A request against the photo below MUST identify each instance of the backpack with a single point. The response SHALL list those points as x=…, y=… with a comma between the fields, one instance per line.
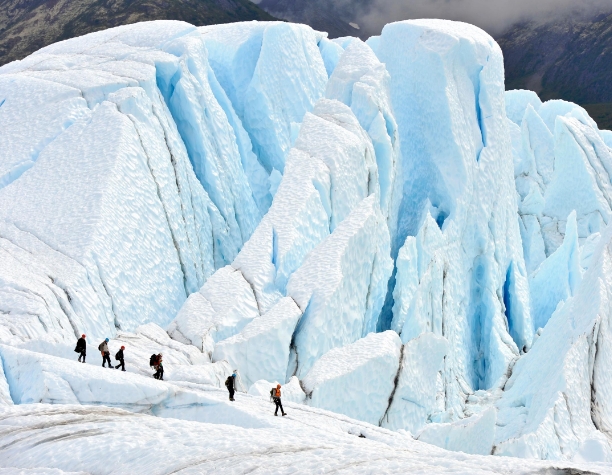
x=117, y=356
x=100, y=346
x=153, y=360
x=229, y=382
x=273, y=393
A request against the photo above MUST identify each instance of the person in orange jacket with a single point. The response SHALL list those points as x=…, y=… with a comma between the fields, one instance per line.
x=276, y=397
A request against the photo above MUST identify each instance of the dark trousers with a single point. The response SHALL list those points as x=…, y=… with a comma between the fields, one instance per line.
x=231, y=391
x=159, y=374
x=82, y=355
x=122, y=364
x=105, y=358
x=278, y=403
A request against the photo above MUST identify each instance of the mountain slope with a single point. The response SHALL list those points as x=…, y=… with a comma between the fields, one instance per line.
x=570, y=60
x=28, y=25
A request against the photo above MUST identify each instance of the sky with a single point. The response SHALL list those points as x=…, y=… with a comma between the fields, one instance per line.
x=492, y=15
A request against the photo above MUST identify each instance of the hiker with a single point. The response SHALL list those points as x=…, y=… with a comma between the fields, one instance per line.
x=153, y=363
x=276, y=397
x=81, y=348
x=105, y=353
x=119, y=357
x=230, y=384
x=159, y=367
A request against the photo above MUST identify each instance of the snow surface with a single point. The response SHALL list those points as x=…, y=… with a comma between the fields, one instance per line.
x=69, y=438
x=378, y=227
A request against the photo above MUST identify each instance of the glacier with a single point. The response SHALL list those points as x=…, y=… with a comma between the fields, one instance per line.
x=419, y=257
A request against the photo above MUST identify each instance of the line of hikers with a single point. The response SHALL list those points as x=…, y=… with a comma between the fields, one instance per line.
x=155, y=361
x=275, y=393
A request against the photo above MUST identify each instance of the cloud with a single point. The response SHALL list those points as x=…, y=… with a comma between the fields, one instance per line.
x=493, y=16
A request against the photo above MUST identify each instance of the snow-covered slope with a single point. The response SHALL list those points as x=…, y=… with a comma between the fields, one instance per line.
x=72, y=438
x=378, y=225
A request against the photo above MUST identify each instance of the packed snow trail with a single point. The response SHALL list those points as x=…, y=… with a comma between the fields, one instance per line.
x=75, y=438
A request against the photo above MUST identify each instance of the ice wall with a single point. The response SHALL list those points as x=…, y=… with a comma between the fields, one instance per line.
x=562, y=164
x=210, y=314
x=127, y=179
x=356, y=380
x=261, y=349
x=361, y=81
x=273, y=74
x=447, y=91
x=562, y=412
x=341, y=286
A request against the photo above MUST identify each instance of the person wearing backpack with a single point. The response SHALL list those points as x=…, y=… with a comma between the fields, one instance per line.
x=276, y=397
x=81, y=348
x=119, y=357
x=230, y=384
x=103, y=347
x=159, y=366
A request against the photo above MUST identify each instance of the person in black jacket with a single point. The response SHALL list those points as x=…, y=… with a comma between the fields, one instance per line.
x=81, y=348
x=230, y=384
x=119, y=357
x=159, y=367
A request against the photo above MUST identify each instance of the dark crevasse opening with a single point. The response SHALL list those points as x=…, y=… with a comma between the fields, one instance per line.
x=386, y=313
x=513, y=311
x=508, y=301
x=475, y=77
x=479, y=319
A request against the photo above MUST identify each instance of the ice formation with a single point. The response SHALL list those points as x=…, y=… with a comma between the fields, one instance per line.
x=356, y=379
x=261, y=349
x=409, y=250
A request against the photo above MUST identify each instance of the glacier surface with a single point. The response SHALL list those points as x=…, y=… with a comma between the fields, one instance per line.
x=416, y=255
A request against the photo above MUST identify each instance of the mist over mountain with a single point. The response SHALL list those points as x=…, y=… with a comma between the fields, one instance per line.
x=323, y=15
x=494, y=16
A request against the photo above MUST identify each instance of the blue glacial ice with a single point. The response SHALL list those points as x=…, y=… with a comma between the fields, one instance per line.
x=378, y=226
